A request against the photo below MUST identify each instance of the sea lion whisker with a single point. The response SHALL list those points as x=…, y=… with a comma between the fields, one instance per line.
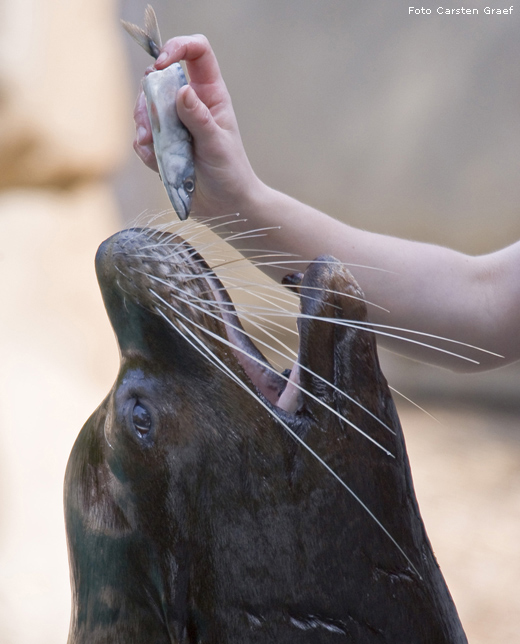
x=303, y=262
x=315, y=299
x=263, y=328
x=209, y=223
x=276, y=307
x=146, y=217
x=416, y=405
x=182, y=227
x=125, y=243
x=250, y=258
x=368, y=326
x=159, y=215
x=294, y=435
x=180, y=248
x=352, y=325
x=250, y=234
x=274, y=253
x=270, y=368
x=160, y=241
x=286, y=297
x=248, y=309
x=347, y=295
x=218, y=304
x=190, y=240
x=174, y=227
x=310, y=371
x=242, y=236
x=138, y=219
x=430, y=335
x=107, y=420
x=265, y=344
x=173, y=255
x=289, y=296
x=187, y=277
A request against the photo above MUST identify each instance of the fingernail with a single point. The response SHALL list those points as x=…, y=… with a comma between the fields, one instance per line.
x=190, y=98
x=141, y=134
x=162, y=58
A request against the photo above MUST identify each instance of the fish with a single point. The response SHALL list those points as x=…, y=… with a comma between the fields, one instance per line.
x=172, y=141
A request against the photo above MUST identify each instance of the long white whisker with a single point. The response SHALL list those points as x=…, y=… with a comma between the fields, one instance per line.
x=269, y=368
x=355, y=324
x=293, y=434
x=307, y=297
x=250, y=234
x=303, y=262
x=412, y=402
x=276, y=351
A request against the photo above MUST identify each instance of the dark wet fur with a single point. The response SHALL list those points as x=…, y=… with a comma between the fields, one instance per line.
x=216, y=525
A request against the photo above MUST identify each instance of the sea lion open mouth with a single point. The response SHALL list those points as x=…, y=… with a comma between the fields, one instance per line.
x=208, y=501
x=173, y=281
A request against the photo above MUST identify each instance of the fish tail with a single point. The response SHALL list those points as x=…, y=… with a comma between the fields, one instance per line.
x=151, y=26
x=148, y=38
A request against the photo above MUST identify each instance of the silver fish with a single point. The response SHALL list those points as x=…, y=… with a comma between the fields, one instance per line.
x=171, y=140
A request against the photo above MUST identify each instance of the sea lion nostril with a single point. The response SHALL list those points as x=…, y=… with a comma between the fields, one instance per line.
x=293, y=281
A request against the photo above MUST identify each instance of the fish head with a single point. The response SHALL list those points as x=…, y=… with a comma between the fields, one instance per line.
x=178, y=176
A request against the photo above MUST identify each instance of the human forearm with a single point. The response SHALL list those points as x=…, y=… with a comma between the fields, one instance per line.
x=424, y=287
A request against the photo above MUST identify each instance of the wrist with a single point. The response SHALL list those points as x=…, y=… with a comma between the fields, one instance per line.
x=252, y=196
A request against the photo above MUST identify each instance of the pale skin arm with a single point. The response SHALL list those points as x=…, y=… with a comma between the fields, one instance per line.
x=427, y=288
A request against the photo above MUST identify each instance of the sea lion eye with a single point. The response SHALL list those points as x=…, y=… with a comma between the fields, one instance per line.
x=141, y=419
x=189, y=185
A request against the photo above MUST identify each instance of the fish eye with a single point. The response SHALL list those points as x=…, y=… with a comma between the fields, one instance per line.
x=141, y=419
x=189, y=185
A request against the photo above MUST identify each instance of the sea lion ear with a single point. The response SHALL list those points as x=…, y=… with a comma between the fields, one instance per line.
x=331, y=349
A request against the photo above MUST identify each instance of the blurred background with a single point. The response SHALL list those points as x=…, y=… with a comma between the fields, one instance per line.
x=402, y=124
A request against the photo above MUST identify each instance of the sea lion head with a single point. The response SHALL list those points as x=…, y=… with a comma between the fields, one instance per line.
x=205, y=502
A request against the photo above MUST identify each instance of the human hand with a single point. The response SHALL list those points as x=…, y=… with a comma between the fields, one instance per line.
x=224, y=177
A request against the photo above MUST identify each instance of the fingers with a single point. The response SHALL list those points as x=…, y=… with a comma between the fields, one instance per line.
x=147, y=155
x=196, y=51
x=143, y=143
x=204, y=106
x=142, y=122
x=195, y=115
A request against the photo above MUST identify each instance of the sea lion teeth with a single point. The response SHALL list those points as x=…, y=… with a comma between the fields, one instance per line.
x=197, y=510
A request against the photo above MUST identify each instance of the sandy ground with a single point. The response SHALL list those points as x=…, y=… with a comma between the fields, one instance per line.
x=466, y=469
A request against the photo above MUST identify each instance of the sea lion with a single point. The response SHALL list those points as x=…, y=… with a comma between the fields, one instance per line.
x=207, y=504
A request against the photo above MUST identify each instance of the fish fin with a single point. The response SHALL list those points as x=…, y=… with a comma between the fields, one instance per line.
x=151, y=26
x=148, y=38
